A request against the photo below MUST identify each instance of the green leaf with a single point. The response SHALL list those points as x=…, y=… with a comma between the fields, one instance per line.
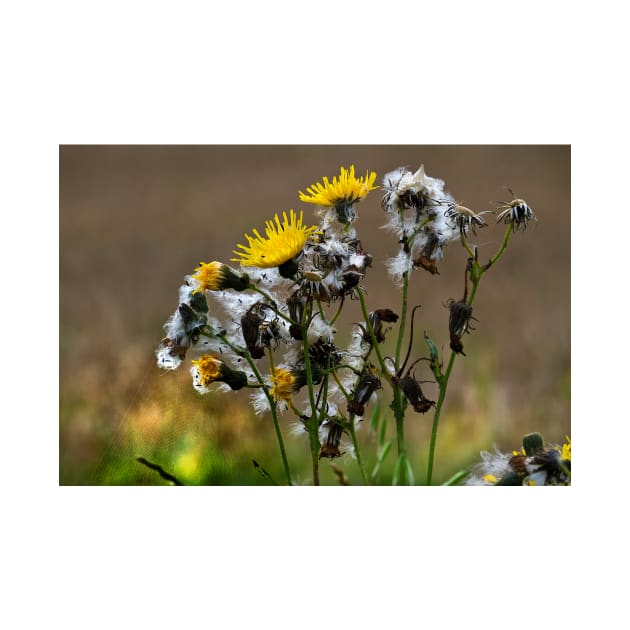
x=403, y=474
x=375, y=417
x=381, y=454
x=383, y=431
x=456, y=478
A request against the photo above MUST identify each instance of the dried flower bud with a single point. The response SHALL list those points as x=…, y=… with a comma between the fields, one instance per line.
x=260, y=328
x=517, y=212
x=321, y=352
x=350, y=280
x=464, y=218
x=413, y=392
x=367, y=385
x=377, y=318
x=459, y=323
x=330, y=445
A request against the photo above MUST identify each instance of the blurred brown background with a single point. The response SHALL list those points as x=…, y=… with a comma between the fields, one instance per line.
x=135, y=219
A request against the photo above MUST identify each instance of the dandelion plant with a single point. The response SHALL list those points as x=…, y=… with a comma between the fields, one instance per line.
x=270, y=326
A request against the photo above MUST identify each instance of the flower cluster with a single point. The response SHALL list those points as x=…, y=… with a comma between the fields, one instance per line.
x=233, y=321
x=536, y=464
x=417, y=208
x=269, y=326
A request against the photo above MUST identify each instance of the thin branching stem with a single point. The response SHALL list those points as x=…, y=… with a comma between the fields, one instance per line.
x=370, y=330
x=357, y=451
x=477, y=273
x=313, y=423
x=272, y=403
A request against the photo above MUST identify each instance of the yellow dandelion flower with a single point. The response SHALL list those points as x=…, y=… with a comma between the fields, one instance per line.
x=489, y=478
x=208, y=369
x=345, y=190
x=284, y=383
x=283, y=243
x=216, y=276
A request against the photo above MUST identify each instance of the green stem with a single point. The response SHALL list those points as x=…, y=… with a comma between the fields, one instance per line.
x=353, y=433
x=370, y=330
x=334, y=319
x=403, y=318
x=477, y=273
x=357, y=451
x=436, y=417
x=399, y=411
x=272, y=404
x=313, y=425
x=398, y=397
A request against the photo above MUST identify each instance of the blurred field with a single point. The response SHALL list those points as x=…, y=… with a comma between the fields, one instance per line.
x=135, y=220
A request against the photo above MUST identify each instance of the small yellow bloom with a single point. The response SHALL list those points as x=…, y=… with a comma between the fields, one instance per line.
x=347, y=189
x=209, y=369
x=490, y=478
x=284, y=242
x=283, y=384
x=209, y=276
x=566, y=449
x=216, y=276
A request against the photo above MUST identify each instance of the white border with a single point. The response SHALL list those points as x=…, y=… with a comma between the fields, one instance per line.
x=331, y=73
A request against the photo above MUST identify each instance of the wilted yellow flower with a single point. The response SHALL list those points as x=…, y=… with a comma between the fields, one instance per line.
x=284, y=383
x=208, y=369
x=347, y=189
x=284, y=242
x=216, y=276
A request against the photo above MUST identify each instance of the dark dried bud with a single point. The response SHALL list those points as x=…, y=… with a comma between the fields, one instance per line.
x=350, y=279
x=260, y=328
x=367, y=385
x=457, y=345
x=386, y=315
x=459, y=323
x=250, y=325
x=411, y=199
x=377, y=318
x=413, y=392
x=330, y=446
x=426, y=263
x=322, y=352
x=430, y=253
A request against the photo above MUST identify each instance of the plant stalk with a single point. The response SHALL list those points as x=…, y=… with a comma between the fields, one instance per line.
x=477, y=273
